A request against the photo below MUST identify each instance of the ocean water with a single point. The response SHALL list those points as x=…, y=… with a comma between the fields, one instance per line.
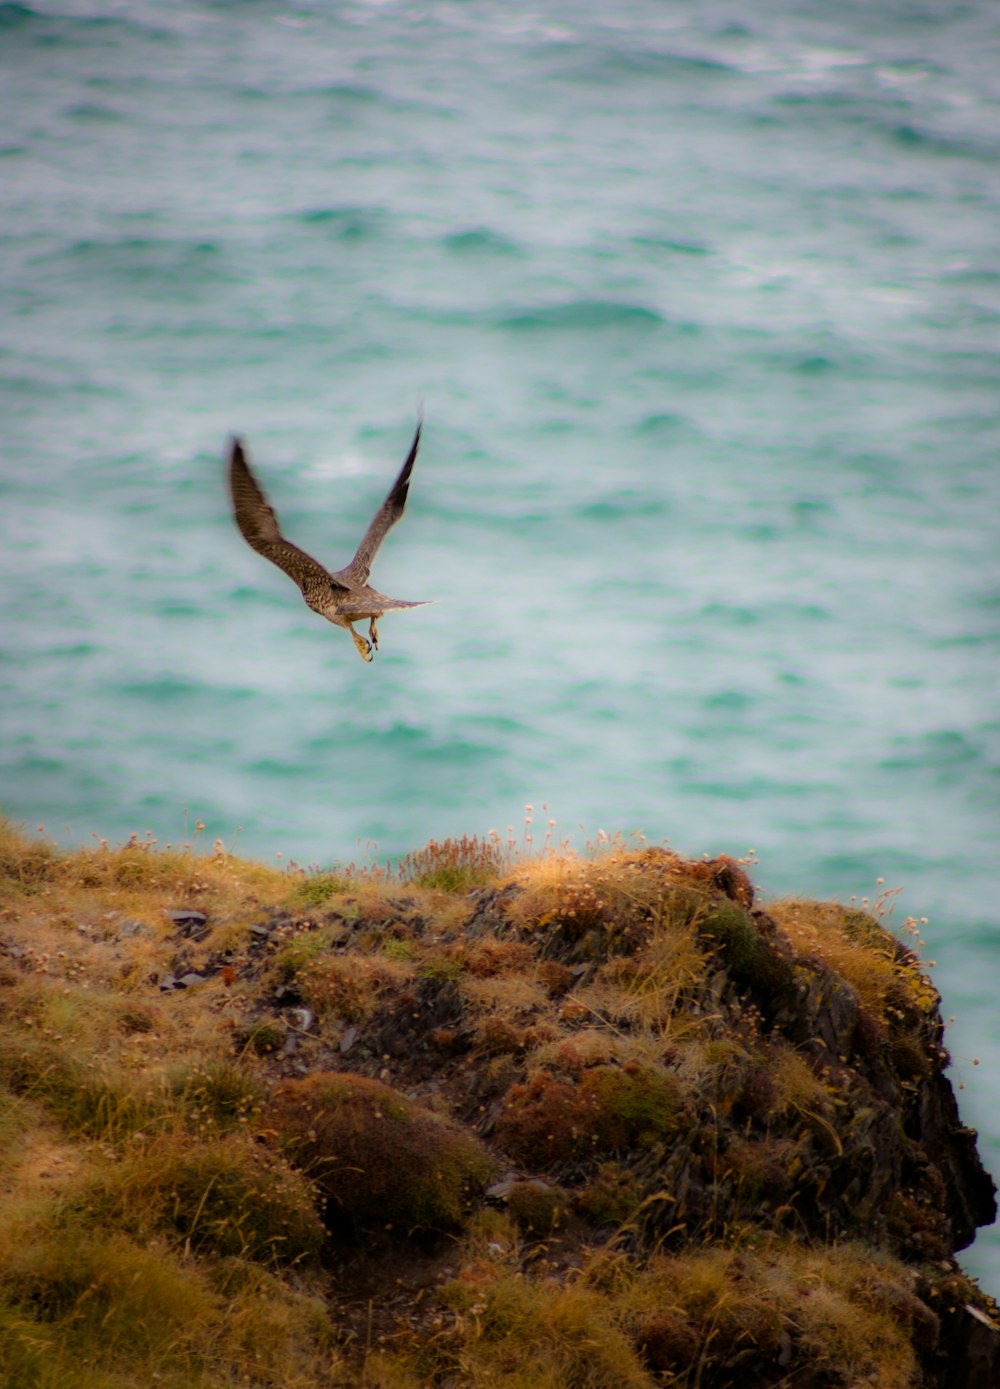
x=702, y=307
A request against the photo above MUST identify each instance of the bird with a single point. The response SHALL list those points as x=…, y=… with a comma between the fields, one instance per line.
x=343, y=597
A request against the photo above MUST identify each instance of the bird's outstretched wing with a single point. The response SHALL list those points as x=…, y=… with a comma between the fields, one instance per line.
x=355, y=574
x=259, y=525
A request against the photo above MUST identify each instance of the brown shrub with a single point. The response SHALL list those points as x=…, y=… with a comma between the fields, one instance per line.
x=538, y=1209
x=377, y=1156
x=611, y=1198
x=668, y=1342
x=605, y=1109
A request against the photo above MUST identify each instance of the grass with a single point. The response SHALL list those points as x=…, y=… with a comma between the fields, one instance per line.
x=281, y=1175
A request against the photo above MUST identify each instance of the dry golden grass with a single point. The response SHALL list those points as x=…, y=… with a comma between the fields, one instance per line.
x=855, y=946
x=510, y=994
x=122, y=1143
x=841, y=1315
x=646, y=989
x=842, y=1311
x=350, y=989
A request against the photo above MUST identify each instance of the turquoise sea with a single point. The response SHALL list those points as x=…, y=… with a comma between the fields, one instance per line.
x=702, y=307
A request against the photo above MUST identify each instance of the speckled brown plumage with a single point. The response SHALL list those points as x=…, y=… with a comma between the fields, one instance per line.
x=342, y=597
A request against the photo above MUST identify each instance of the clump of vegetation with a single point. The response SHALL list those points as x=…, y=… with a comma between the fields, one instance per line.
x=509, y=1330
x=24, y=864
x=537, y=1208
x=316, y=889
x=378, y=1157
x=305, y=947
x=89, y=1098
x=612, y=1196
x=350, y=988
x=454, y=865
x=829, y=1315
x=551, y=1119
x=92, y=1308
x=226, y=1195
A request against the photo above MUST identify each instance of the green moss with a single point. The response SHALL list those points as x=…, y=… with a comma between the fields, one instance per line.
x=395, y=949
x=752, y=961
x=317, y=889
x=732, y=930
x=449, y=967
x=263, y=1038
x=303, y=949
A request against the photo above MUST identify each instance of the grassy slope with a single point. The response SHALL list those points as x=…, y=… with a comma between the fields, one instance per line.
x=559, y=1122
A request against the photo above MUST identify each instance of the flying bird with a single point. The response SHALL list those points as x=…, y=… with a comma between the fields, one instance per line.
x=346, y=596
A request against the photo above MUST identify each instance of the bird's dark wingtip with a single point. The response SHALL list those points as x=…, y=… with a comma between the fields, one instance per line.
x=404, y=475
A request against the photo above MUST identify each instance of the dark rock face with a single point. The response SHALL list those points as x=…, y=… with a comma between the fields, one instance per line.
x=426, y=1022
x=950, y=1148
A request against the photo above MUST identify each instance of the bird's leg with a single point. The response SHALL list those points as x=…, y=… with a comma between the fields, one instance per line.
x=362, y=643
x=373, y=632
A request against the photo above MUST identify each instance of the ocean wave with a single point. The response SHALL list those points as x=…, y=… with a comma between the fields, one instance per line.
x=945, y=750
x=346, y=93
x=666, y=243
x=756, y=788
x=348, y=223
x=170, y=262
x=624, y=506
x=56, y=29
x=607, y=65
x=580, y=314
x=480, y=241
x=13, y=16
x=894, y=119
x=909, y=135
x=662, y=422
x=164, y=689
x=96, y=111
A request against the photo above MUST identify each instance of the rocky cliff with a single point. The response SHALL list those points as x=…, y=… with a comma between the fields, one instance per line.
x=562, y=1122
